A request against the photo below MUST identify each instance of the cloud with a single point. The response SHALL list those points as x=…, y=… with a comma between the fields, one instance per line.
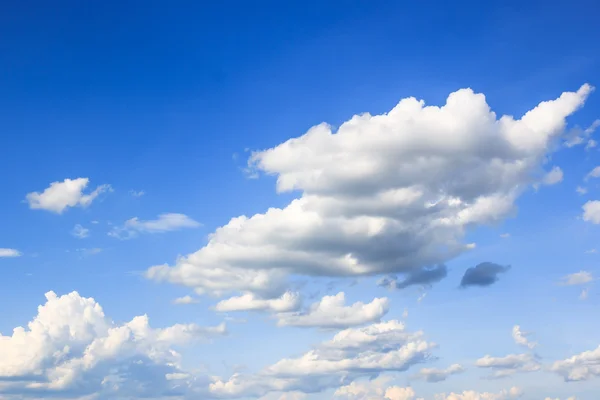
x=90, y=251
x=185, y=300
x=509, y=365
x=351, y=354
x=512, y=393
x=554, y=176
x=484, y=274
x=591, y=212
x=289, y=301
x=384, y=194
x=71, y=347
x=505, y=235
x=9, y=253
x=584, y=294
x=80, y=232
x=520, y=337
x=581, y=190
x=61, y=195
x=164, y=223
x=580, y=367
x=375, y=389
x=137, y=193
x=424, y=277
x=577, y=136
x=332, y=312
x=577, y=278
x=438, y=375
x=595, y=173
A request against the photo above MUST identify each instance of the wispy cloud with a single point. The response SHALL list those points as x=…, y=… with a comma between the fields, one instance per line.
x=164, y=223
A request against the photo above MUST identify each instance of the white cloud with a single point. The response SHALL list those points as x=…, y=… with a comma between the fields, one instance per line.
x=512, y=393
x=578, y=278
x=164, y=223
x=185, y=300
x=80, y=232
x=352, y=354
x=595, y=173
x=591, y=212
x=90, y=251
x=554, y=176
x=332, y=312
x=284, y=396
x=62, y=195
x=137, y=193
x=391, y=193
x=289, y=301
x=438, y=375
x=375, y=389
x=577, y=136
x=9, y=253
x=570, y=398
x=581, y=190
x=584, y=294
x=509, y=365
x=505, y=235
x=580, y=367
x=71, y=347
x=520, y=337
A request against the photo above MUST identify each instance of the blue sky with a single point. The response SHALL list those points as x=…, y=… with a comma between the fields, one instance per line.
x=158, y=109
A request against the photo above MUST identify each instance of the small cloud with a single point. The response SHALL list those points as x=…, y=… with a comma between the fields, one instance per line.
x=581, y=190
x=80, y=232
x=90, y=251
x=421, y=297
x=424, y=277
x=505, y=235
x=578, y=136
x=484, y=274
x=578, y=278
x=9, y=253
x=591, y=144
x=520, y=337
x=405, y=313
x=591, y=251
x=62, y=195
x=137, y=193
x=554, y=176
x=94, y=222
x=185, y=300
x=164, y=223
x=591, y=212
x=584, y=294
x=595, y=173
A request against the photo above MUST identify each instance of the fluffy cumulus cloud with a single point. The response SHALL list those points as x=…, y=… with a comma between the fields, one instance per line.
x=62, y=195
x=185, y=300
x=289, y=301
x=521, y=338
x=384, y=194
x=351, y=354
x=164, y=223
x=580, y=367
x=591, y=211
x=554, y=176
x=438, y=375
x=509, y=365
x=72, y=349
x=375, y=389
x=9, y=253
x=332, y=312
x=484, y=274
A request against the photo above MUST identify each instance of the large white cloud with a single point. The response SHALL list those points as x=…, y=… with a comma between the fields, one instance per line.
x=390, y=193
x=72, y=349
x=580, y=367
x=332, y=312
x=62, y=195
x=352, y=353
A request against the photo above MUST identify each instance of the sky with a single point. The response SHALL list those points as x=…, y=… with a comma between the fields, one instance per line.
x=299, y=200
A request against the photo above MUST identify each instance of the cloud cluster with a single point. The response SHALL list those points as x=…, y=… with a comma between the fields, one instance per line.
x=164, y=223
x=72, y=349
x=332, y=312
x=509, y=365
x=62, y=195
x=375, y=389
x=580, y=367
x=351, y=354
x=512, y=393
x=390, y=193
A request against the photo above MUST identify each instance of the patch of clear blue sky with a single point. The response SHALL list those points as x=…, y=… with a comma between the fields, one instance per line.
x=159, y=95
